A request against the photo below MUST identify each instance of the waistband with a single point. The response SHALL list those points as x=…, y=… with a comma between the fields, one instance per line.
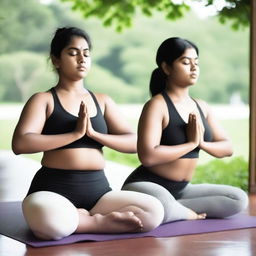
x=47, y=169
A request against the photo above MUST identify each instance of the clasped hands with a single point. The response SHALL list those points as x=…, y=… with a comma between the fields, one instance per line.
x=195, y=130
x=84, y=126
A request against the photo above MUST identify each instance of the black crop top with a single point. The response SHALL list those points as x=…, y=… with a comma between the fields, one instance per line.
x=60, y=121
x=175, y=131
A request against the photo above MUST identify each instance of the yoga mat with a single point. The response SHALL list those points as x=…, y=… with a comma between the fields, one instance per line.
x=13, y=225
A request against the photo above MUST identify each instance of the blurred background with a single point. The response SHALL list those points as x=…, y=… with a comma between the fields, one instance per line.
x=123, y=59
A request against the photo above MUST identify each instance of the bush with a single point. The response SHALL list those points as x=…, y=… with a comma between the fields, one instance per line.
x=233, y=172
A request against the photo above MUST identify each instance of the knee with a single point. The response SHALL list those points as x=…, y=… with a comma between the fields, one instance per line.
x=236, y=201
x=49, y=215
x=241, y=199
x=153, y=216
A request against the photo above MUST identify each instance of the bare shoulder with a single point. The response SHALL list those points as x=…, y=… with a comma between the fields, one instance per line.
x=41, y=96
x=156, y=103
x=204, y=106
x=102, y=98
x=40, y=100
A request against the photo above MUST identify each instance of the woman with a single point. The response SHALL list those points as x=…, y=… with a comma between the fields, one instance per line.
x=172, y=129
x=70, y=124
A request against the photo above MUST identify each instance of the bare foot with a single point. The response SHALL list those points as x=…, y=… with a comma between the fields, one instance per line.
x=196, y=216
x=114, y=222
x=118, y=222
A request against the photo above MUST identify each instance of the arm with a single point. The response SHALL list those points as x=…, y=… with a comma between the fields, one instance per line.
x=120, y=137
x=149, y=135
x=221, y=145
x=27, y=137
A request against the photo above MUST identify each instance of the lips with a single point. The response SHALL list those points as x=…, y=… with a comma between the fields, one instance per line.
x=82, y=68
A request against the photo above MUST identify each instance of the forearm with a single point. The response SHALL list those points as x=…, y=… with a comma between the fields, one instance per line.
x=34, y=143
x=125, y=143
x=218, y=149
x=164, y=154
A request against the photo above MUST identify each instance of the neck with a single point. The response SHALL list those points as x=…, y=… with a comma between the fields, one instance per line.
x=76, y=86
x=178, y=94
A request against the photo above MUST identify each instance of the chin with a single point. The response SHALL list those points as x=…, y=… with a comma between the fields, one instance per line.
x=192, y=82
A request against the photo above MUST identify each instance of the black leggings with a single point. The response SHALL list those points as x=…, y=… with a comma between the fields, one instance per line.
x=82, y=188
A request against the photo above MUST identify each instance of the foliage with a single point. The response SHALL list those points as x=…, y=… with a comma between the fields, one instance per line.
x=101, y=80
x=233, y=172
x=23, y=73
x=23, y=25
x=121, y=13
x=236, y=10
x=122, y=62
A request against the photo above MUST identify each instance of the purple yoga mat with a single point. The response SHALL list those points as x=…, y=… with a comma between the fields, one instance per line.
x=13, y=225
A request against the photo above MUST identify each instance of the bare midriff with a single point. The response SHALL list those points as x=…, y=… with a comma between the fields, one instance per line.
x=74, y=159
x=179, y=170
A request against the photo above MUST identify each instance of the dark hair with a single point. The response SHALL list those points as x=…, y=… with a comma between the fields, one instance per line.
x=62, y=38
x=169, y=50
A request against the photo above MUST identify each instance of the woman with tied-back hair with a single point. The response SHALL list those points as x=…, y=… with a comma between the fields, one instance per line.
x=173, y=128
x=70, y=125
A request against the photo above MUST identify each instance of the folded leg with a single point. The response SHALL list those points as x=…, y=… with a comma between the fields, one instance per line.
x=144, y=207
x=173, y=210
x=217, y=201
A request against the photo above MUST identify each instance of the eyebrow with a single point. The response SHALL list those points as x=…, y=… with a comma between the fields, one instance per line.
x=74, y=48
x=186, y=57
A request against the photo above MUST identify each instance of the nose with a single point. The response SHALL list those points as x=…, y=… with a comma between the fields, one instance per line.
x=81, y=58
x=193, y=65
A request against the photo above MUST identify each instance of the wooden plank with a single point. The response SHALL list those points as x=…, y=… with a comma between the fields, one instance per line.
x=252, y=154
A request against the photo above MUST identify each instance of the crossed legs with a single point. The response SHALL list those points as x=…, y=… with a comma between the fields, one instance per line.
x=195, y=201
x=52, y=216
x=218, y=201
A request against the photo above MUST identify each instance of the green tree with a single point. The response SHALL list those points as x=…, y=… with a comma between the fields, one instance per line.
x=121, y=13
x=24, y=25
x=123, y=60
x=22, y=74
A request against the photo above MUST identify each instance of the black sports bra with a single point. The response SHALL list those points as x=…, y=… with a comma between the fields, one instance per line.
x=60, y=121
x=175, y=131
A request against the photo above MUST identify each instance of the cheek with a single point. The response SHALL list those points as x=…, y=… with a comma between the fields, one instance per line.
x=89, y=63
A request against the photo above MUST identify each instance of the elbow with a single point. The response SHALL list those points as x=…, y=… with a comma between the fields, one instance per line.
x=230, y=153
x=227, y=153
x=17, y=147
x=146, y=161
x=16, y=150
x=147, y=156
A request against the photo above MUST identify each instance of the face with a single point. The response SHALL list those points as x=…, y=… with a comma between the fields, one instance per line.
x=184, y=70
x=75, y=61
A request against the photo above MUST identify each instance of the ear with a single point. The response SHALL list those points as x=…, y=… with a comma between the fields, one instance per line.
x=55, y=61
x=166, y=68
